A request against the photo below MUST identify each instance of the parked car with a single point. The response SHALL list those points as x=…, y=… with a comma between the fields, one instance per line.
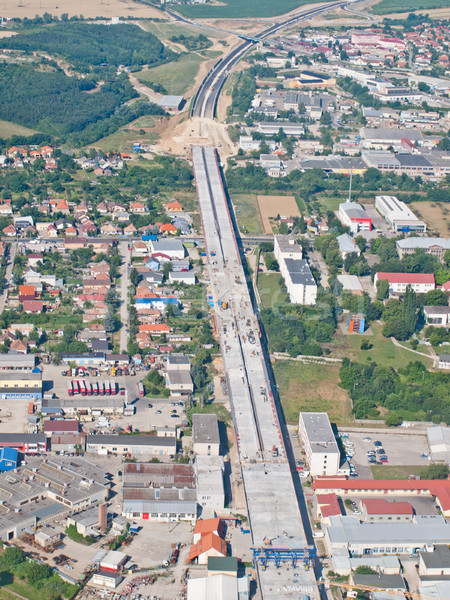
x=377, y=443
x=367, y=439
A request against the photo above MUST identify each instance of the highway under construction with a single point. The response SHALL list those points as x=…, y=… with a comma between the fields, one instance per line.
x=281, y=550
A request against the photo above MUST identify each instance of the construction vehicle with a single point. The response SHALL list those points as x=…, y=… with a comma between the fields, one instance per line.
x=275, y=452
x=113, y=372
x=223, y=305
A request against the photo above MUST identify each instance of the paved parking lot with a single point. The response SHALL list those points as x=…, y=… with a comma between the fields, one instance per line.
x=400, y=448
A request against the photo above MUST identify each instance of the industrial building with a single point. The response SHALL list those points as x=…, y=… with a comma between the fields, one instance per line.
x=318, y=440
x=398, y=215
x=24, y=442
x=439, y=442
x=300, y=283
x=135, y=445
x=17, y=362
x=179, y=383
x=205, y=434
x=178, y=362
x=44, y=488
x=289, y=128
x=210, y=486
x=347, y=533
x=354, y=216
x=437, y=488
x=421, y=283
x=436, y=563
x=376, y=510
x=83, y=405
x=23, y=385
x=437, y=247
x=385, y=137
x=159, y=491
x=219, y=587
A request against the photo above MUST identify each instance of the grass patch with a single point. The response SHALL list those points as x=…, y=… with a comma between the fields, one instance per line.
x=311, y=387
x=399, y=472
x=237, y=9
x=395, y=6
x=8, y=129
x=5, y=595
x=223, y=414
x=301, y=205
x=123, y=139
x=177, y=77
x=383, y=351
x=247, y=213
x=270, y=290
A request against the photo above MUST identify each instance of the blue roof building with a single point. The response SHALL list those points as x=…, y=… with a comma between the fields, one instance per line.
x=8, y=459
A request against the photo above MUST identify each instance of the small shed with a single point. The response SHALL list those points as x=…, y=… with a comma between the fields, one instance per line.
x=171, y=103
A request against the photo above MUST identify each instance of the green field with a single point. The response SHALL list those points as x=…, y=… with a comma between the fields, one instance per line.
x=8, y=129
x=122, y=140
x=5, y=595
x=247, y=213
x=393, y=6
x=164, y=31
x=237, y=9
x=383, y=352
x=177, y=77
x=269, y=289
x=311, y=387
x=399, y=472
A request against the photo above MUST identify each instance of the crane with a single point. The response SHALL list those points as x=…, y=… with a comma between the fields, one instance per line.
x=369, y=588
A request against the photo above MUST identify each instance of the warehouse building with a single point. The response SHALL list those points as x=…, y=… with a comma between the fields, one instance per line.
x=439, y=443
x=24, y=442
x=398, y=215
x=17, y=362
x=135, y=445
x=319, y=443
x=210, y=487
x=44, y=488
x=360, y=539
x=289, y=128
x=83, y=405
x=437, y=247
x=23, y=385
x=159, y=492
x=421, y=283
x=354, y=216
x=385, y=137
x=299, y=280
x=205, y=433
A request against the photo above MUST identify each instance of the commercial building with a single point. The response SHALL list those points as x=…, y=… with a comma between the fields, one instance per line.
x=134, y=445
x=24, y=442
x=360, y=539
x=44, y=488
x=398, y=215
x=421, y=283
x=318, y=440
x=354, y=216
x=24, y=385
x=159, y=492
x=384, y=138
x=437, y=247
x=439, y=442
x=210, y=487
x=440, y=489
x=300, y=283
x=437, y=315
x=205, y=433
x=381, y=511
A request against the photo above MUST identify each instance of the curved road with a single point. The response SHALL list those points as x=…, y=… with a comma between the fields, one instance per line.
x=208, y=93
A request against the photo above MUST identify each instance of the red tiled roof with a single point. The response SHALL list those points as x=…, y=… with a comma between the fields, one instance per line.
x=383, y=507
x=329, y=505
x=63, y=425
x=407, y=277
x=205, y=543
x=204, y=526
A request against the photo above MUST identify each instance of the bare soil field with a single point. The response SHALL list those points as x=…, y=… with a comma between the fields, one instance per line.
x=271, y=206
x=87, y=8
x=435, y=214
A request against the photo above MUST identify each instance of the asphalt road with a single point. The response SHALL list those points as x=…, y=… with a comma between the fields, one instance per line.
x=124, y=284
x=8, y=274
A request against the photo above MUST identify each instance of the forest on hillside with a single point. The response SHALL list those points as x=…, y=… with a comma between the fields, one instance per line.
x=87, y=45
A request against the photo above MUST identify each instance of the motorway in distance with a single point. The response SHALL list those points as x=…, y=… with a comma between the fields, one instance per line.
x=273, y=506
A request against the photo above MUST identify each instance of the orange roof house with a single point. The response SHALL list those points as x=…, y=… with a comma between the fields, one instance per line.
x=168, y=228
x=205, y=526
x=208, y=545
x=62, y=206
x=154, y=328
x=174, y=206
x=27, y=290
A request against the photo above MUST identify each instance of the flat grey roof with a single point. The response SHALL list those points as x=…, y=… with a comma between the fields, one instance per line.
x=381, y=580
x=22, y=375
x=437, y=559
x=17, y=361
x=299, y=271
x=131, y=440
x=179, y=377
x=423, y=243
x=319, y=431
x=354, y=210
x=205, y=429
x=387, y=133
x=171, y=100
x=288, y=243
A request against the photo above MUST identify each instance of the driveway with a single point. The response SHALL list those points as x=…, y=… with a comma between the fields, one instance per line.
x=125, y=253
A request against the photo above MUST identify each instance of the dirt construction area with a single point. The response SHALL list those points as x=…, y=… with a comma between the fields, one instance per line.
x=272, y=206
x=435, y=214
